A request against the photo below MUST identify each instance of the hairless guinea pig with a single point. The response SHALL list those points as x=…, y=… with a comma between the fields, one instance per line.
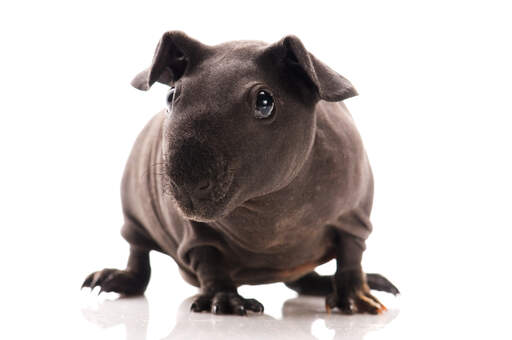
x=254, y=173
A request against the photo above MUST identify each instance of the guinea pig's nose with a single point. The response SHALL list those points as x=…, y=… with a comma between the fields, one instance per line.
x=203, y=188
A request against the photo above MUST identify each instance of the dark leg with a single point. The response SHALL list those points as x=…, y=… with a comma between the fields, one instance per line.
x=351, y=293
x=218, y=292
x=131, y=281
x=321, y=285
x=312, y=284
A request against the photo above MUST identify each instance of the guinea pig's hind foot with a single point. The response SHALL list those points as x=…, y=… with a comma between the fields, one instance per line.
x=225, y=303
x=321, y=285
x=124, y=282
x=359, y=302
x=352, y=295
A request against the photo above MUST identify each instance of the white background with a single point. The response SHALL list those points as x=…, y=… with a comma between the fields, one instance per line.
x=434, y=112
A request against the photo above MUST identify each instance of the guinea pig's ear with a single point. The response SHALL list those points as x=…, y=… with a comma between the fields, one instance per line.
x=329, y=85
x=174, y=54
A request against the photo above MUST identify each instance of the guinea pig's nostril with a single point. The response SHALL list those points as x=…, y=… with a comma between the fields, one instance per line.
x=203, y=188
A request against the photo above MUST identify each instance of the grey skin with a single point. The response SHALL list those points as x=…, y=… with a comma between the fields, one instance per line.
x=237, y=199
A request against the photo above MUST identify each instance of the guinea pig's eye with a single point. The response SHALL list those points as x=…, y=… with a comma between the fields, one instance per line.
x=170, y=99
x=264, y=105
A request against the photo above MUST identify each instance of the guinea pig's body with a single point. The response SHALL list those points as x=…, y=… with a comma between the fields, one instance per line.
x=254, y=173
x=277, y=237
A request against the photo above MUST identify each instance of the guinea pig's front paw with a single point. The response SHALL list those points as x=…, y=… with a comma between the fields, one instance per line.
x=225, y=303
x=352, y=295
x=119, y=281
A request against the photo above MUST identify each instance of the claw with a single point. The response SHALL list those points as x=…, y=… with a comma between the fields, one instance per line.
x=87, y=281
x=259, y=309
x=373, y=302
x=382, y=309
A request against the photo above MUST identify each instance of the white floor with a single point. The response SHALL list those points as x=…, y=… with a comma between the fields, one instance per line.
x=302, y=318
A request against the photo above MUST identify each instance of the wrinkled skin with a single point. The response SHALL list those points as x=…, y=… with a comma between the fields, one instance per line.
x=235, y=199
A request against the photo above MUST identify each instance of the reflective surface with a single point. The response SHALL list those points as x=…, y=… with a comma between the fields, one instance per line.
x=302, y=317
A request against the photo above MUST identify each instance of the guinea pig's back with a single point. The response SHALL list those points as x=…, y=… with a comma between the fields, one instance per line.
x=341, y=140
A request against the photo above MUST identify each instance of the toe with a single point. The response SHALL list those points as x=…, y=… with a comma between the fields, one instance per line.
x=366, y=303
x=236, y=303
x=88, y=280
x=219, y=308
x=100, y=276
x=220, y=304
x=115, y=282
x=202, y=303
x=253, y=305
x=346, y=305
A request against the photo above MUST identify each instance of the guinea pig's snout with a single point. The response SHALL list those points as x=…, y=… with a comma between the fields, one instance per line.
x=203, y=188
x=197, y=171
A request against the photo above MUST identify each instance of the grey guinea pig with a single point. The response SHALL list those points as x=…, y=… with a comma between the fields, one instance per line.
x=254, y=173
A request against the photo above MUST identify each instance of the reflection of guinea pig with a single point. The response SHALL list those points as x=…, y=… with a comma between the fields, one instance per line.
x=254, y=173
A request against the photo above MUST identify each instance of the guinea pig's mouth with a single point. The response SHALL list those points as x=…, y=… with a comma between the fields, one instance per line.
x=208, y=207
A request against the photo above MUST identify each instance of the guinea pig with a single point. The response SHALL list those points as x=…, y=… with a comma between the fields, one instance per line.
x=253, y=173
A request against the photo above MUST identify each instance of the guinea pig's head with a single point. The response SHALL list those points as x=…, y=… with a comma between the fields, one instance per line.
x=240, y=117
